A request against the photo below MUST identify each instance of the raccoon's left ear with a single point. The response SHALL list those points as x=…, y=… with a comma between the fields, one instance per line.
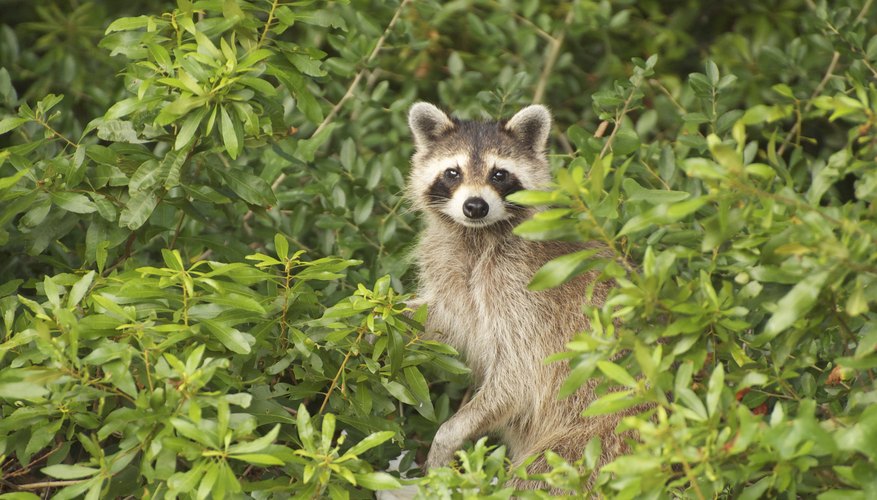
x=530, y=126
x=427, y=123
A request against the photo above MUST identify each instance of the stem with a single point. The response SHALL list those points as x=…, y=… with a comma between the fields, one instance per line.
x=284, y=326
x=340, y=371
x=556, y=42
x=28, y=467
x=49, y=484
x=656, y=83
x=688, y=472
x=54, y=132
x=268, y=23
x=818, y=90
x=177, y=230
x=617, y=125
x=864, y=11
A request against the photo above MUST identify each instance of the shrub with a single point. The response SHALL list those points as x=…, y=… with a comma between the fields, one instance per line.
x=205, y=276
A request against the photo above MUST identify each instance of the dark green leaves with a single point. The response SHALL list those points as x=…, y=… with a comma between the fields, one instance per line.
x=800, y=299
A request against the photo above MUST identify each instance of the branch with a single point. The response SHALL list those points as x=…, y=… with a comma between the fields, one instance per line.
x=49, y=484
x=818, y=90
x=553, y=54
x=268, y=23
x=617, y=125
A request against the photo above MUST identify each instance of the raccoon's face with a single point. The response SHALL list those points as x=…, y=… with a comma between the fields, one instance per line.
x=463, y=171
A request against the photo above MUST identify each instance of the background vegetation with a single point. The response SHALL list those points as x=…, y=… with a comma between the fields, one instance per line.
x=204, y=241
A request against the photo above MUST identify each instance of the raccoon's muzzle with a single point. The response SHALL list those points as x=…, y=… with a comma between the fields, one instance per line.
x=475, y=208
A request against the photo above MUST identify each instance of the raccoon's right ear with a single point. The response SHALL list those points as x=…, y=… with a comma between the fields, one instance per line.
x=530, y=126
x=427, y=123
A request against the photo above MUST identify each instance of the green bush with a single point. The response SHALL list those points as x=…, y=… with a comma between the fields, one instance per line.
x=205, y=242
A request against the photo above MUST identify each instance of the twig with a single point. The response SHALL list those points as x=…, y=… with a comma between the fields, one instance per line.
x=334, y=383
x=864, y=11
x=818, y=90
x=657, y=83
x=268, y=23
x=617, y=125
x=689, y=473
x=59, y=135
x=24, y=470
x=553, y=54
x=178, y=229
x=49, y=484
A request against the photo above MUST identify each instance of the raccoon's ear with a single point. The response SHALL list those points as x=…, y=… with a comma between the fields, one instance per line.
x=427, y=123
x=530, y=126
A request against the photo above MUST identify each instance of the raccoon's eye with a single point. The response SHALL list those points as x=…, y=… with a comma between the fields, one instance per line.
x=499, y=176
x=452, y=174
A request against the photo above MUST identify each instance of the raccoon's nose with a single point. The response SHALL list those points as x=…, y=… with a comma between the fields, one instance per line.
x=475, y=208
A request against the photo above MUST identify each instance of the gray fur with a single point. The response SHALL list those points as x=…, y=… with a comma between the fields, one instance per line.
x=474, y=281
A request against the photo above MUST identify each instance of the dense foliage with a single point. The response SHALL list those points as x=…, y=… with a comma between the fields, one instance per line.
x=205, y=242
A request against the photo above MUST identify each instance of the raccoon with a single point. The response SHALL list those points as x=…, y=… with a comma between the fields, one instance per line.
x=473, y=276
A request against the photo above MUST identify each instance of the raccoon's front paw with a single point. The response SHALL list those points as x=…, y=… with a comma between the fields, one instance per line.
x=441, y=453
x=439, y=456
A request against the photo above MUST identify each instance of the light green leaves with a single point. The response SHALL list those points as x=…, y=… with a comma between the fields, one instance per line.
x=62, y=471
x=562, y=269
x=73, y=202
x=230, y=133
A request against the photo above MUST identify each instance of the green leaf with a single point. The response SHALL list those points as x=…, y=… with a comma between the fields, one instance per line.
x=128, y=24
x=306, y=64
x=420, y=389
x=8, y=182
x=231, y=338
x=305, y=428
x=376, y=481
x=73, y=202
x=281, y=245
x=15, y=390
x=172, y=166
x=306, y=149
x=19, y=495
x=256, y=445
x=229, y=135
x=78, y=291
x=118, y=131
x=662, y=214
x=147, y=175
x=252, y=189
x=138, y=209
x=714, y=392
x=258, y=459
x=369, y=442
x=559, y=270
x=616, y=373
x=189, y=128
x=122, y=108
x=635, y=192
x=611, y=403
x=11, y=123
x=577, y=376
x=62, y=471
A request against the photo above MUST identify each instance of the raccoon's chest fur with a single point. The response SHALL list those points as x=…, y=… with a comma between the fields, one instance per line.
x=476, y=287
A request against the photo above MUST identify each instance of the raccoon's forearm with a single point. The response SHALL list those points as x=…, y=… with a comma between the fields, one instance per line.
x=481, y=414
